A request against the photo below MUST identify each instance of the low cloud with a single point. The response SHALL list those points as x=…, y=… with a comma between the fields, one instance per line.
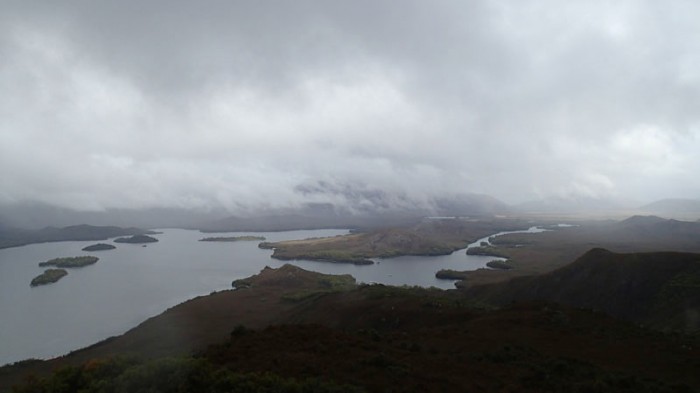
x=244, y=104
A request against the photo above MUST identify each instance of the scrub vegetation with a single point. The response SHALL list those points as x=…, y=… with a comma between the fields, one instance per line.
x=49, y=276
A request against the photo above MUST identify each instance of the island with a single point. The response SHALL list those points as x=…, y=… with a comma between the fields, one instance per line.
x=49, y=276
x=232, y=239
x=99, y=247
x=449, y=274
x=136, y=239
x=70, y=262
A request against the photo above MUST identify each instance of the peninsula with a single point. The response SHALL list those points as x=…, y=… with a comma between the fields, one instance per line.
x=488, y=251
x=70, y=262
x=429, y=238
x=232, y=239
x=49, y=276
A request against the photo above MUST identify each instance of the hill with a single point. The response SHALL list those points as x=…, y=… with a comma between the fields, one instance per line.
x=375, y=338
x=657, y=289
x=538, y=253
x=20, y=237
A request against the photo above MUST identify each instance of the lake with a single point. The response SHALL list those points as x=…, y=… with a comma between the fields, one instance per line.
x=133, y=283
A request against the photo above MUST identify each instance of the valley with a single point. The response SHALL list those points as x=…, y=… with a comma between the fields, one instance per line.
x=617, y=315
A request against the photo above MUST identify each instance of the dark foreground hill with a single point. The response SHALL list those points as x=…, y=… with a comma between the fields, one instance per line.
x=292, y=330
x=658, y=289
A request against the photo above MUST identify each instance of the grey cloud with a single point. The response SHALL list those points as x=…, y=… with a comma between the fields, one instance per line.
x=239, y=103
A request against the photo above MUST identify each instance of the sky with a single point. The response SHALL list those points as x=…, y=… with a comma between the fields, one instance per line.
x=246, y=104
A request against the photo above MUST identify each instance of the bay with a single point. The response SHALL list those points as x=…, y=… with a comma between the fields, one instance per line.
x=133, y=283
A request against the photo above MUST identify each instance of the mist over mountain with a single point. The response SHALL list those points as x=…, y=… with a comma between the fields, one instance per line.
x=38, y=215
x=246, y=106
x=576, y=204
x=335, y=206
x=673, y=207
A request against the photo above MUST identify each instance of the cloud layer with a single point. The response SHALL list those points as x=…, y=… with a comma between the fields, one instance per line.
x=239, y=103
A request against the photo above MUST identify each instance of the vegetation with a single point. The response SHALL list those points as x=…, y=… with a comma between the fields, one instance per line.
x=136, y=239
x=489, y=251
x=232, y=239
x=431, y=237
x=99, y=247
x=324, y=285
x=70, y=262
x=181, y=374
x=294, y=326
x=656, y=289
x=49, y=276
x=498, y=264
x=449, y=274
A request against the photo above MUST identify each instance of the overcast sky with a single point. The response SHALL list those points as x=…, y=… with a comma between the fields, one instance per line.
x=240, y=103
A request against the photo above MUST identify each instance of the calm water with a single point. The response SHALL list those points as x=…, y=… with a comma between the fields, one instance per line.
x=132, y=283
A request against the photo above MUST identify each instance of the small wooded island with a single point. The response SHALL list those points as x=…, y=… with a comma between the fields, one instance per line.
x=99, y=247
x=70, y=262
x=49, y=276
x=232, y=239
x=136, y=239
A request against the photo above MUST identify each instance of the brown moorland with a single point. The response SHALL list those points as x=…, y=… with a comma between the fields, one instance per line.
x=537, y=253
x=430, y=237
x=402, y=339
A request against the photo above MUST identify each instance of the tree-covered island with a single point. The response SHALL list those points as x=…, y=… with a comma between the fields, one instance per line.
x=49, y=276
x=136, y=239
x=69, y=262
x=99, y=247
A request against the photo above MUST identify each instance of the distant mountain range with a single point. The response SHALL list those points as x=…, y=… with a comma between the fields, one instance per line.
x=673, y=206
x=20, y=237
x=326, y=215
x=353, y=207
x=573, y=205
x=37, y=216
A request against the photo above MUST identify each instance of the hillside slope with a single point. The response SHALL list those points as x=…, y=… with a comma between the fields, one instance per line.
x=298, y=324
x=658, y=289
